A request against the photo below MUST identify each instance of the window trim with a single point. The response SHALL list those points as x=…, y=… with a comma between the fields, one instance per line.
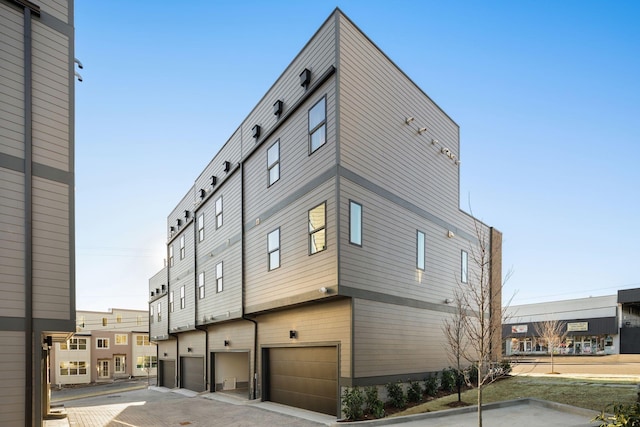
x=182, y=247
x=218, y=214
x=171, y=302
x=421, y=259
x=159, y=311
x=201, y=227
x=171, y=262
x=360, y=225
x=103, y=340
x=464, y=266
x=182, y=298
x=126, y=339
x=322, y=123
x=219, y=278
x=270, y=251
x=323, y=228
x=201, y=282
x=274, y=164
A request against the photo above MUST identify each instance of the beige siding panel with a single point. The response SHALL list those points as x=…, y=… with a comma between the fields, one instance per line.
x=324, y=323
x=57, y=8
x=374, y=106
x=169, y=347
x=51, y=262
x=12, y=243
x=238, y=333
x=12, y=384
x=396, y=340
x=318, y=55
x=300, y=274
x=194, y=340
x=11, y=85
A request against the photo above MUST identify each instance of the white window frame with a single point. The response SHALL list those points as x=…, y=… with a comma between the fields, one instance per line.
x=182, y=248
x=142, y=340
x=201, y=283
x=219, y=277
x=120, y=337
x=201, y=227
x=171, y=302
x=182, y=297
x=171, y=256
x=355, y=223
x=421, y=250
x=320, y=126
x=313, y=230
x=464, y=267
x=102, y=343
x=77, y=365
x=159, y=311
x=151, y=313
x=273, y=249
x=273, y=163
x=218, y=212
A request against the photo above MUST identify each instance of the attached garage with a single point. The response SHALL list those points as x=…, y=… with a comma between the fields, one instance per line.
x=167, y=373
x=192, y=373
x=304, y=377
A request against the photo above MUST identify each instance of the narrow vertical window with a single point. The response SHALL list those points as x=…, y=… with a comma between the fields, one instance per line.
x=420, y=250
x=201, y=285
x=355, y=223
x=181, y=297
x=159, y=311
x=171, y=302
x=182, y=250
x=317, y=125
x=464, y=267
x=218, y=212
x=171, y=256
x=219, y=277
x=201, y=228
x=273, y=162
x=317, y=231
x=150, y=314
x=273, y=248
x=104, y=321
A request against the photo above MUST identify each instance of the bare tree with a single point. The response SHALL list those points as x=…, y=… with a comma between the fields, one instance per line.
x=454, y=332
x=551, y=333
x=481, y=298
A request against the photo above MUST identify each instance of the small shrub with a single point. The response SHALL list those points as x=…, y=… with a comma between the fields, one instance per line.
x=472, y=375
x=414, y=392
x=373, y=406
x=431, y=385
x=505, y=365
x=396, y=395
x=352, y=401
x=448, y=379
x=623, y=415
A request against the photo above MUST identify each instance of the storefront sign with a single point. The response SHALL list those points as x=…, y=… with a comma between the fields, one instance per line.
x=577, y=327
x=519, y=329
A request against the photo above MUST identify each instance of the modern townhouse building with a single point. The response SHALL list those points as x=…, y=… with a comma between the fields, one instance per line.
x=323, y=243
x=37, y=271
x=107, y=346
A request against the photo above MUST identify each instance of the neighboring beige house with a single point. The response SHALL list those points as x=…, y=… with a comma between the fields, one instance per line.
x=107, y=346
x=37, y=214
x=322, y=245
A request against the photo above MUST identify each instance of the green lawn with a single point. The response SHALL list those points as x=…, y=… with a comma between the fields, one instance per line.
x=588, y=393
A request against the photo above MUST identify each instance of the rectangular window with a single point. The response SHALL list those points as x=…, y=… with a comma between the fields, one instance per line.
x=74, y=344
x=139, y=320
x=142, y=340
x=171, y=302
x=121, y=339
x=420, y=250
x=317, y=125
x=105, y=322
x=201, y=228
x=218, y=212
x=182, y=297
x=150, y=313
x=171, y=256
x=317, y=232
x=219, y=277
x=145, y=362
x=182, y=250
x=159, y=311
x=102, y=343
x=355, y=223
x=273, y=249
x=119, y=318
x=201, y=285
x=73, y=368
x=273, y=162
x=464, y=267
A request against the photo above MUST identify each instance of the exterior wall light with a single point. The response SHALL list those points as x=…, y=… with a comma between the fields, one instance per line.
x=305, y=78
x=227, y=343
x=278, y=107
x=293, y=334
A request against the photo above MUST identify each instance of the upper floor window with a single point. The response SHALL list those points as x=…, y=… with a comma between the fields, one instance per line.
x=102, y=342
x=464, y=267
x=171, y=256
x=105, y=321
x=355, y=223
x=182, y=302
x=150, y=313
x=218, y=212
x=159, y=311
x=171, y=302
x=74, y=344
x=273, y=162
x=122, y=339
x=201, y=285
x=142, y=340
x=219, y=277
x=201, y=228
x=273, y=248
x=182, y=250
x=317, y=232
x=420, y=250
x=317, y=125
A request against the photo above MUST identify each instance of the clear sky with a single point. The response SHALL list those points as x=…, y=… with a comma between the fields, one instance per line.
x=546, y=94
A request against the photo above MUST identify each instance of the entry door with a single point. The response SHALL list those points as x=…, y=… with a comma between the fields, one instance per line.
x=119, y=364
x=103, y=369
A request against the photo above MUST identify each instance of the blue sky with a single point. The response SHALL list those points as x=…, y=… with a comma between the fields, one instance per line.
x=546, y=94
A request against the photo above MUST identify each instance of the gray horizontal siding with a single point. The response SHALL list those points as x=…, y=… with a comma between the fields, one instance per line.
x=230, y=152
x=12, y=401
x=57, y=8
x=218, y=304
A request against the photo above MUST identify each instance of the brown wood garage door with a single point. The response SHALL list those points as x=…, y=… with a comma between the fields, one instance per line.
x=192, y=373
x=304, y=377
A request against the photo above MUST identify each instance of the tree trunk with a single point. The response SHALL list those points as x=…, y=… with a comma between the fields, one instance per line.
x=479, y=394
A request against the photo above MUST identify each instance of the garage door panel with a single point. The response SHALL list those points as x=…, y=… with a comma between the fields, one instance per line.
x=167, y=373
x=192, y=373
x=304, y=377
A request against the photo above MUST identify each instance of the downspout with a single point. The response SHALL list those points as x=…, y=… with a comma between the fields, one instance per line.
x=254, y=374
x=202, y=328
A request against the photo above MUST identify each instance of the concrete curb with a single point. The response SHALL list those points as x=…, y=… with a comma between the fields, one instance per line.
x=97, y=393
